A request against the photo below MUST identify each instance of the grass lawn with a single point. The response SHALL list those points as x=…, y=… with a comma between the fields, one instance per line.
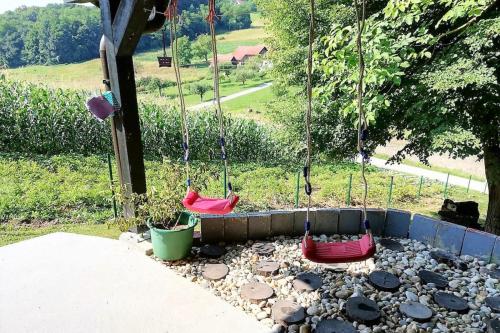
x=256, y=101
x=71, y=193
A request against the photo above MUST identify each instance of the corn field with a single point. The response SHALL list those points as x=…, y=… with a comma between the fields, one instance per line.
x=35, y=119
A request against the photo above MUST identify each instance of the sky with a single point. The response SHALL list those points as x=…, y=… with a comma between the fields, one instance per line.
x=6, y=5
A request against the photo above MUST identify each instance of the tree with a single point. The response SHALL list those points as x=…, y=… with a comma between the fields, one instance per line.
x=184, y=52
x=432, y=77
x=202, y=47
x=243, y=74
x=200, y=89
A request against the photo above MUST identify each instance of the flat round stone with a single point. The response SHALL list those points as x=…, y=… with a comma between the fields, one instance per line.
x=212, y=251
x=451, y=302
x=362, y=309
x=267, y=268
x=392, y=245
x=493, y=326
x=263, y=249
x=307, y=282
x=384, y=281
x=215, y=271
x=256, y=291
x=493, y=302
x=431, y=277
x=416, y=310
x=334, y=326
x=288, y=312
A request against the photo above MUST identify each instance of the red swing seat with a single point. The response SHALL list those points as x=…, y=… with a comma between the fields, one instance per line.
x=198, y=204
x=337, y=252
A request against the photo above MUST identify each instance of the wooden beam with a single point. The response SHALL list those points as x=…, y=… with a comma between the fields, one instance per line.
x=129, y=24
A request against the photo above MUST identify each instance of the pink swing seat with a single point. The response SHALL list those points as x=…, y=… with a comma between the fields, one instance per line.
x=196, y=203
x=337, y=252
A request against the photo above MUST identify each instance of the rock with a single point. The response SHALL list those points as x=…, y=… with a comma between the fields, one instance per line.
x=312, y=310
x=454, y=284
x=277, y=328
x=305, y=329
x=342, y=294
x=261, y=315
x=411, y=296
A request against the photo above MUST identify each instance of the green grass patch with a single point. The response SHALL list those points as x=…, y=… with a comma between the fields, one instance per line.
x=251, y=106
x=71, y=193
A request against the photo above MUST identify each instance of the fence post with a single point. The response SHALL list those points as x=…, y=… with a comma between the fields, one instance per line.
x=112, y=183
x=389, y=199
x=297, y=189
x=446, y=186
x=349, y=189
x=468, y=184
x=420, y=187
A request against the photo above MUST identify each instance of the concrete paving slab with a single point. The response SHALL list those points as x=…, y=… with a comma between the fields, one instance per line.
x=450, y=237
x=376, y=216
x=281, y=222
x=397, y=223
x=72, y=283
x=236, y=228
x=259, y=225
x=423, y=229
x=349, y=221
x=212, y=228
x=479, y=244
x=327, y=221
x=299, y=220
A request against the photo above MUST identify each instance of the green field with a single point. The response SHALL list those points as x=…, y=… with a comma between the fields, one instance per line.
x=87, y=75
x=72, y=193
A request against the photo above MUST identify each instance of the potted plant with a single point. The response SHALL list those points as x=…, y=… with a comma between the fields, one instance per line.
x=161, y=210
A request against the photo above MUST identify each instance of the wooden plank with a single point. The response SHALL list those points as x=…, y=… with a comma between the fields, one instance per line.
x=129, y=24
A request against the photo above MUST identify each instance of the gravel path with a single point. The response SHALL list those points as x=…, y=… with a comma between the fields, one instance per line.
x=343, y=281
x=231, y=97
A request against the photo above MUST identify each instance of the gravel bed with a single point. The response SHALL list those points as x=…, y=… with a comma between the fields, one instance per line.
x=339, y=282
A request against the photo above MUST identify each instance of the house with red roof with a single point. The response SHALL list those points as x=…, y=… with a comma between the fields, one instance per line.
x=242, y=54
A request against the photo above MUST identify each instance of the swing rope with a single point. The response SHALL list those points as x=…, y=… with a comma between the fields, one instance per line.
x=307, y=167
x=212, y=15
x=362, y=134
x=360, y=7
x=171, y=15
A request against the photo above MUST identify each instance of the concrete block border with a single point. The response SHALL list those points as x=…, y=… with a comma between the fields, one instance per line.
x=240, y=227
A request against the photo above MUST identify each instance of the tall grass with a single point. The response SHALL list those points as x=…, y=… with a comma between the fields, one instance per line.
x=40, y=120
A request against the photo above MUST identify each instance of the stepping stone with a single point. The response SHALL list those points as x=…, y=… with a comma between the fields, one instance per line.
x=493, y=326
x=448, y=258
x=384, y=281
x=334, y=326
x=362, y=309
x=267, y=268
x=263, y=249
x=494, y=303
x=256, y=292
x=451, y=302
x=307, y=282
x=288, y=312
x=416, y=310
x=431, y=277
x=212, y=251
x=215, y=271
x=392, y=245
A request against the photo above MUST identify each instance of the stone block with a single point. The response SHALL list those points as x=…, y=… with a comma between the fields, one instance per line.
x=449, y=237
x=376, y=216
x=495, y=256
x=423, y=229
x=349, y=220
x=327, y=221
x=299, y=217
x=236, y=228
x=397, y=223
x=478, y=244
x=212, y=229
x=259, y=225
x=282, y=223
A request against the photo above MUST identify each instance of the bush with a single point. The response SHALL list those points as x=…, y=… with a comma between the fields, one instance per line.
x=152, y=84
x=35, y=119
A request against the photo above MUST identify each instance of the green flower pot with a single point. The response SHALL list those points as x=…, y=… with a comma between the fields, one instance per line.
x=174, y=244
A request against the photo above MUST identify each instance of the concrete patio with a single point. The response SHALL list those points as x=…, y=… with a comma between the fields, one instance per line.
x=72, y=283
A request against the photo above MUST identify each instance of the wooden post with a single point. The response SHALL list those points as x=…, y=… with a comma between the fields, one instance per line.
x=123, y=22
